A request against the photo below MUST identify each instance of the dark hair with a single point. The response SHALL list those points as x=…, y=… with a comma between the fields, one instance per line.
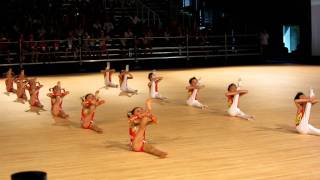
x=191, y=79
x=230, y=85
x=298, y=95
x=130, y=113
x=86, y=96
x=150, y=75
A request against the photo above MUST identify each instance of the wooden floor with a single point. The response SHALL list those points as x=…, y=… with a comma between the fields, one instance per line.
x=202, y=144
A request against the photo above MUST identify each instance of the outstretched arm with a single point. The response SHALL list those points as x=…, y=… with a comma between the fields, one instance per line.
x=194, y=87
x=300, y=102
x=157, y=78
x=241, y=92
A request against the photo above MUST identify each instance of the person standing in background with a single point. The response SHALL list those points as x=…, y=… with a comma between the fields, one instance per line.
x=264, y=42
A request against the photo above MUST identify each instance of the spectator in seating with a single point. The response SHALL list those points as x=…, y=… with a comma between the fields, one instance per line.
x=264, y=42
x=108, y=26
x=147, y=39
x=127, y=43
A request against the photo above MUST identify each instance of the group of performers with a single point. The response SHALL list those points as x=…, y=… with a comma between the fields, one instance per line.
x=139, y=118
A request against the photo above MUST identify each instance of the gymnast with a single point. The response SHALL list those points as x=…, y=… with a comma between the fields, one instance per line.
x=153, y=86
x=89, y=104
x=9, y=81
x=21, y=82
x=193, y=90
x=233, y=95
x=34, y=88
x=123, y=80
x=107, y=73
x=139, y=118
x=56, y=95
x=304, y=104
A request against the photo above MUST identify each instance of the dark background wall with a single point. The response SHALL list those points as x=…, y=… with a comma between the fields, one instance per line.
x=253, y=16
x=315, y=27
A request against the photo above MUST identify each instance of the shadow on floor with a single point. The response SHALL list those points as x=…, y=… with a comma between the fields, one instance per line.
x=282, y=128
x=118, y=145
x=34, y=109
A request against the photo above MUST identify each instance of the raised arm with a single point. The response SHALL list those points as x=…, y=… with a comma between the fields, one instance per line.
x=39, y=85
x=99, y=102
x=96, y=93
x=153, y=119
x=149, y=105
x=65, y=93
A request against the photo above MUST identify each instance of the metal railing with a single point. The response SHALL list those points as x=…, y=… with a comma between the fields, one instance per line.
x=145, y=12
x=142, y=11
x=126, y=49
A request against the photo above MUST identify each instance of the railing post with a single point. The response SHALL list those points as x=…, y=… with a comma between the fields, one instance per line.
x=187, y=47
x=137, y=9
x=142, y=15
x=225, y=47
x=20, y=53
x=148, y=17
x=80, y=55
x=135, y=48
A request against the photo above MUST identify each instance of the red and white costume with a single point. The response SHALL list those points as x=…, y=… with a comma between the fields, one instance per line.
x=302, y=119
x=154, y=89
x=87, y=116
x=233, y=109
x=134, y=127
x=193, y=99
x=124, y=84
x=56, y=101
x=108, y=79
x=34, y=96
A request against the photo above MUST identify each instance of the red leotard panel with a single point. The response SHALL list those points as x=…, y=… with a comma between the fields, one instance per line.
x=83, y=118
x=156, y=83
